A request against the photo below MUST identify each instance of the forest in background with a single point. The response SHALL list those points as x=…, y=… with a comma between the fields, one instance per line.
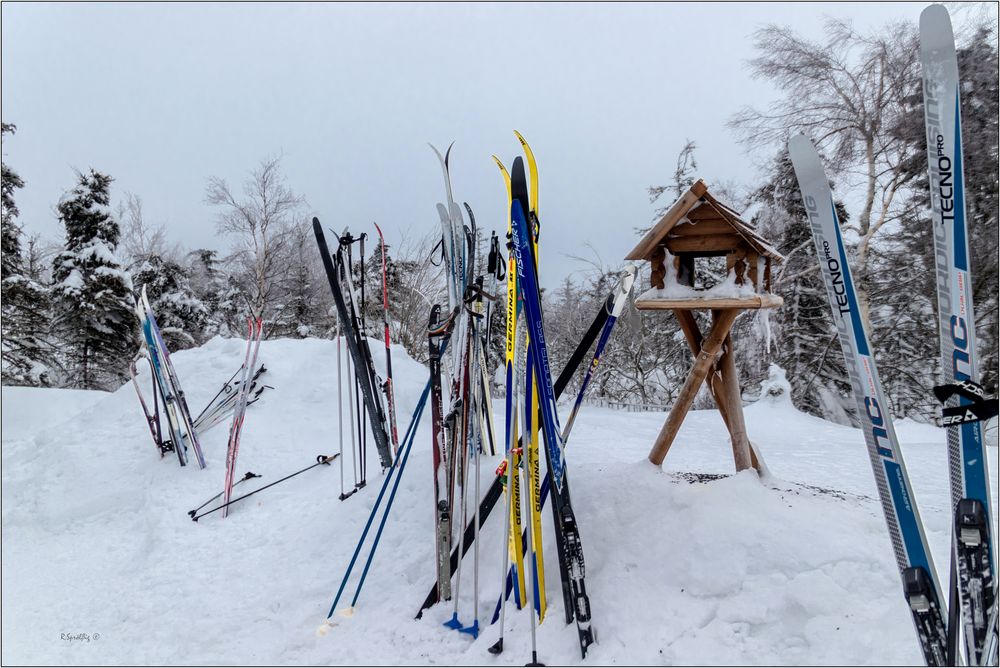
x=67, y=307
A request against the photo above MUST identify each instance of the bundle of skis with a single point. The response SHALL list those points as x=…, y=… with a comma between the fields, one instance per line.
x=166, y=389
x=371, y=405
x=464, y=434
x=182, y=430
x=530, y=409
x=965, y=627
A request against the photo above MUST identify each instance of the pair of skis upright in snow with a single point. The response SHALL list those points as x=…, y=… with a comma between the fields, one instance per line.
x=182, y=428
x=972, y=590
x=338, y=272
x=254, y=335
x=179, y=423
x=526, y=357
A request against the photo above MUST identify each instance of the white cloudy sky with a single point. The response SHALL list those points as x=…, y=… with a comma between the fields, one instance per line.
x=162, y=96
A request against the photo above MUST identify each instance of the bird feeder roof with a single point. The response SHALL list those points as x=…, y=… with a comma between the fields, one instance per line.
x=698, y=207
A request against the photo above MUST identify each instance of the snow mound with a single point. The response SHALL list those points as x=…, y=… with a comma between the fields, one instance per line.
x=687, y=564
x=25, y=408
x=776, y=390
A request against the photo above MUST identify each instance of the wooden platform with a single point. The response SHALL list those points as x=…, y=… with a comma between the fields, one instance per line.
x=751, y=302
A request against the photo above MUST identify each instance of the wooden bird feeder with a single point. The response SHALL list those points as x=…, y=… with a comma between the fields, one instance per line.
x=695, y=227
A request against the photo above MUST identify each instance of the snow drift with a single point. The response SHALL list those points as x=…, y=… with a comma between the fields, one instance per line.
x=688, y=564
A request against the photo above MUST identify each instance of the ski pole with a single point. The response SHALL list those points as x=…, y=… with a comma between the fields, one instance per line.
x=613, y=306
x=226, y=389
x=507, y=464
x=246, y=477
x=371, y=517
x=355, y=461
x=388, y=506
x=321, y=459
x=531, y=548
x=477, y=453
x=463, y=458
x=340, y=417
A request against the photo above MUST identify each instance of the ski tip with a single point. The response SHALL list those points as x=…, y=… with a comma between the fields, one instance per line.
x=934, y=13
x=325, y=627
x=346, y=612
x=799, y=142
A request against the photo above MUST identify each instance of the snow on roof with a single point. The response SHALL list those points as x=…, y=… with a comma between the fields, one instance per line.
x=697, y=198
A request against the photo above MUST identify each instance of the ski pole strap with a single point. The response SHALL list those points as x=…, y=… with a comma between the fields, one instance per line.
x=496, y=265
x=347, y=239
x=964, y=388
x=438, y=245
x=475, y=292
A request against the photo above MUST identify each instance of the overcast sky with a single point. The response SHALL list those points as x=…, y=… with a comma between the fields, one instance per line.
x=163, y=96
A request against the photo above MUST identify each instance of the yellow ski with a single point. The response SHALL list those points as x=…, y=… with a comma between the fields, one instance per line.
x=533, y=419
x=514, y=546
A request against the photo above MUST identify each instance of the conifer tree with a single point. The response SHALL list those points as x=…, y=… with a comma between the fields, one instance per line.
x=803, y=334
x=93, y=293
x=28, y=356
x=180, y=314
x=209, y=284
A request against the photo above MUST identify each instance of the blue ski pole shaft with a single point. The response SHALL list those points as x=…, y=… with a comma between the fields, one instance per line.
x=408, y=440
x=411, y=429
x=378, y=502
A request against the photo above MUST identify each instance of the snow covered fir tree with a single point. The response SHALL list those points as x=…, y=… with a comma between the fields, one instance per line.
x=91, y=290
x=283, y=363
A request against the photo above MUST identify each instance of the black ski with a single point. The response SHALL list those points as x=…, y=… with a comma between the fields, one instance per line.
x=357, y=344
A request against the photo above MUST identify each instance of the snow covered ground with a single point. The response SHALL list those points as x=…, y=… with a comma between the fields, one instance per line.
x=102, y=565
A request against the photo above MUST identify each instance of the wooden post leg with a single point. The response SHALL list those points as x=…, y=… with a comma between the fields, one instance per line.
x=703, y=363
x=693, y=335
x=730, y=395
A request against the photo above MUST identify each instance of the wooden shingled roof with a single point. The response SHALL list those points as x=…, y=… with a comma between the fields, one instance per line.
x=699, y=207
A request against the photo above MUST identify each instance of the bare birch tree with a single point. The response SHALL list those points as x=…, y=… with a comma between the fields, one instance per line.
x=259, y=221
x=846, y=93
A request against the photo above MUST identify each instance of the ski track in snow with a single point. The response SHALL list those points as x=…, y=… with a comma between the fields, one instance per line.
x=681, y=569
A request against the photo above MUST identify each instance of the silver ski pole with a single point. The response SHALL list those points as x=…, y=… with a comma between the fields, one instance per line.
x=340, y=412
x=497, y=647
x=464, y=460
x=350, y=415
x=477, y=453
x=531, y=551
